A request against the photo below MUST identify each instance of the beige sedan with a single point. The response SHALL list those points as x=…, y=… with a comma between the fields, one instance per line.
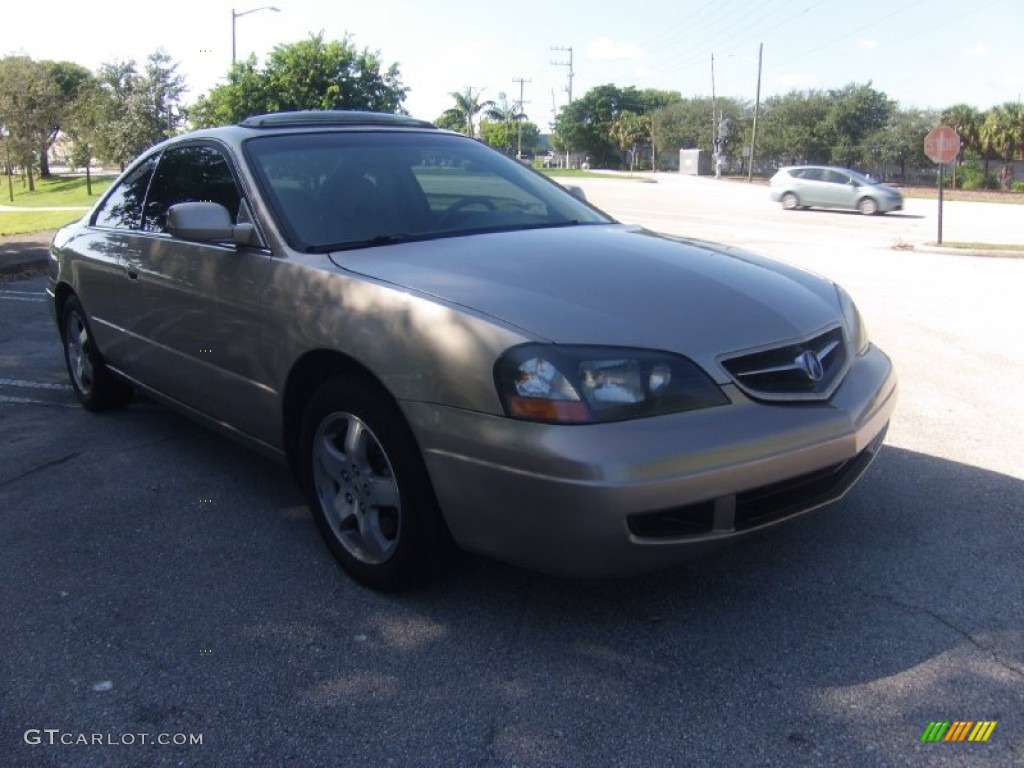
x=450, y=350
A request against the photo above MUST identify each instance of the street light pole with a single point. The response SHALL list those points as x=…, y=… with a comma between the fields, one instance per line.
x=757, y=108
x=235, y=15
x=10, y=171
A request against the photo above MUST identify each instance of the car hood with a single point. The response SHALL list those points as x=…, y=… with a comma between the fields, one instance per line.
x=613, y=285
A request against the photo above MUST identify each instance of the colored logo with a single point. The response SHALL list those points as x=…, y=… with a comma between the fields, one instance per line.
x=959, y=730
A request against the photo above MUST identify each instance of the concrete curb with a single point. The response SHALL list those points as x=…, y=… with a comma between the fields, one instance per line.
x=24, y=253
x=976, y=252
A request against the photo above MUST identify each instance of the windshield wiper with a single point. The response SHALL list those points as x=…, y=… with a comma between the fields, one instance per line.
x=348, y=245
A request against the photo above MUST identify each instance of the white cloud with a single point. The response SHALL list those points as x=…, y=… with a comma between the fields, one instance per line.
x=976, y=51
x=866, y=45
x=603, y=48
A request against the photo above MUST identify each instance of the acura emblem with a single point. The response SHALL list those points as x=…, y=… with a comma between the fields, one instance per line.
x=811, y=365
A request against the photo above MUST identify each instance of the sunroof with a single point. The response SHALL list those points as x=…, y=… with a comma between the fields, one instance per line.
x=331, y=117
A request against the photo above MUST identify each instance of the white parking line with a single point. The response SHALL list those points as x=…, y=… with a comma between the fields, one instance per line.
x=20, y=298
x=7, y=399
x=33, y=384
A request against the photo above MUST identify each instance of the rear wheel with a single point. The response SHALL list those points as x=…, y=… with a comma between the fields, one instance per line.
x=790, y=201
x=95, y=386
x=368, y=487
x=867, y=206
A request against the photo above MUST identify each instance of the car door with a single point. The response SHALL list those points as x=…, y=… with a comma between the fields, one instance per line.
x=837, y=191
x=104, y=280
x=201, y=326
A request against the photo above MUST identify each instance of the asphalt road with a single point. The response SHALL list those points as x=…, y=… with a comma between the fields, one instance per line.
x=163, y=584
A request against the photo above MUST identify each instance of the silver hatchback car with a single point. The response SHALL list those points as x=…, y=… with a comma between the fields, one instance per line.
x=449, y=349
x=804, y=186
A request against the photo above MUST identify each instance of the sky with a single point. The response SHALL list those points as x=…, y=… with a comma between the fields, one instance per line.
x=922, y=53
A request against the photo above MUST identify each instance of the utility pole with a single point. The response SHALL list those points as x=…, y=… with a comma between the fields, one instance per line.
x=565, y=64
x=569, y=89
x=714, y=120
x=757, y=108
x=519, y=116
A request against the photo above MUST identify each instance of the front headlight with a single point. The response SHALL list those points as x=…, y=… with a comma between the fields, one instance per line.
x=583, y=384
x=856, y=330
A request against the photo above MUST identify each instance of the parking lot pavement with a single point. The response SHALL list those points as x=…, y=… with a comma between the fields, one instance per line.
x=160, y=581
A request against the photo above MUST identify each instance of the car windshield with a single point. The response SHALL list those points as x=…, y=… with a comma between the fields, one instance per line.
x=861, y=178
x=337, y=190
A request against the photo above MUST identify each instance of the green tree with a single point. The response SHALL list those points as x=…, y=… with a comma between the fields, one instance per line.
x=901, y=141
x=855, y=112
x=685, y=124
x=463, y=113
x=69, y=78
x=309, y=74
x=630, y=132
x=793, y=129
x=84, y=125
x=500, y=125
x=505, y=136
x=30, y=104
x=965, y=120
x=141, y=108
x=1002, y=134
x=586, y=124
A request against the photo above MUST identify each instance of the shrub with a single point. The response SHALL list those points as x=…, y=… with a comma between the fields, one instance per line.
x=1017, y=186
x=973, y=176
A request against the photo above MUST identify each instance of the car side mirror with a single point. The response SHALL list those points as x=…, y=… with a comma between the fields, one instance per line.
x=576, y=192
x=206, y=222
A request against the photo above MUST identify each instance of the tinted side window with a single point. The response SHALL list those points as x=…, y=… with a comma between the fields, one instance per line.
x=835, y=177
x=185, y=175
x=123, y=208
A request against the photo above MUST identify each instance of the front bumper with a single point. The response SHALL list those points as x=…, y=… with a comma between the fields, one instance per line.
x=606, y=499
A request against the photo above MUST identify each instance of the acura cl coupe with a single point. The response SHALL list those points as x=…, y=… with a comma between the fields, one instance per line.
x=452, y=351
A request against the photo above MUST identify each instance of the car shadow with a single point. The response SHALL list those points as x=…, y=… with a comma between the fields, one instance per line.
x=844, y=212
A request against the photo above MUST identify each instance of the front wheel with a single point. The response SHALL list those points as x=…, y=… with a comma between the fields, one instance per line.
x=368, y=487
x=790, y=202
x=95, y=386
x=868, y=207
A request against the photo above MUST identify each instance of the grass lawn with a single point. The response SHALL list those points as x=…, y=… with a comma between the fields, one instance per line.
x=55, y=191
x=23, y=222
x=578, y=173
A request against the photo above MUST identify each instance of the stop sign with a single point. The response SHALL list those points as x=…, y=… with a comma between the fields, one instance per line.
x=942, y=144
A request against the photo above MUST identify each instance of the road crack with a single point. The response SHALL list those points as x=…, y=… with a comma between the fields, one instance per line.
x=966, y=635
x=40, y=468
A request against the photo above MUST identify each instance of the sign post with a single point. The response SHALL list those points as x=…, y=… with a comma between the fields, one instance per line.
x=942, y=145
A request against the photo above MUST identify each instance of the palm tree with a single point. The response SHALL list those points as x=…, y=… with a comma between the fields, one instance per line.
x=1002, y=134
x=467, y=107
x=507, y=114
x=966, y=120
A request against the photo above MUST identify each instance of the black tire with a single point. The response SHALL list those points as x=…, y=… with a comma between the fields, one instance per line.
x=368, y=487
x=790, y=201
x=868, y=206
x=96, y=388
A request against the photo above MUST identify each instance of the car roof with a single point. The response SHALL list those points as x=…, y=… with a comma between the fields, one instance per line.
x=307, y=121
x=332, y=117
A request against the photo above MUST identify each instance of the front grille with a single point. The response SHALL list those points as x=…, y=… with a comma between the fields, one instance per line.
x=805, y=370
